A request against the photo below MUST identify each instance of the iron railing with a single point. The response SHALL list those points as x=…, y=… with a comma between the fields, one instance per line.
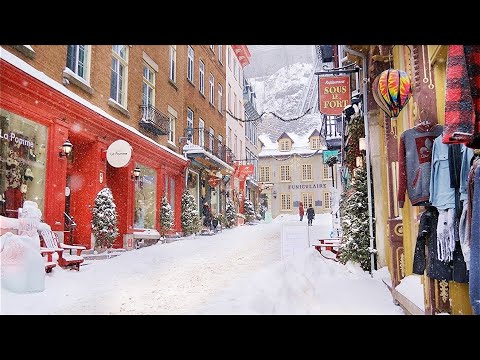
x=154, y=121
x=208, y=142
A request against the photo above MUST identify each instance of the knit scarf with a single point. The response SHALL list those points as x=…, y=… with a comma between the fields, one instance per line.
x=445, y=234
x=462, y=96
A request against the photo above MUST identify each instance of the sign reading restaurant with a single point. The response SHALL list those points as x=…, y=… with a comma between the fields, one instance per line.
x=334, y=94
x=309, y=186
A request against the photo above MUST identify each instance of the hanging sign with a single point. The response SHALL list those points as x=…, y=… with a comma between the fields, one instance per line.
x=213, y=181
x=327, y=154
x=334, y=94
x=119, y=153
x=244, y=170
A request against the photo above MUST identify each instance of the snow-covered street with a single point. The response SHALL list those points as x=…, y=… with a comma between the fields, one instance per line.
x=237, y=271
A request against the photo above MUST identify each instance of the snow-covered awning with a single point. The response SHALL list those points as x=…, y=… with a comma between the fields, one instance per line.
x=195, y=151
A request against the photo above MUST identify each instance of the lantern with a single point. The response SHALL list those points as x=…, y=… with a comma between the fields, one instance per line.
x=391, y=91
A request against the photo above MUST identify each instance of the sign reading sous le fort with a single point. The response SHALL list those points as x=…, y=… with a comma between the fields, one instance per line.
x=309, y=186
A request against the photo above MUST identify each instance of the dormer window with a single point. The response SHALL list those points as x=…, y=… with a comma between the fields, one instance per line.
x=285, y=145
x=315, y=143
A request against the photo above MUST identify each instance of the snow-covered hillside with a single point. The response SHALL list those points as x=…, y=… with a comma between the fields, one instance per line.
x=283, y=93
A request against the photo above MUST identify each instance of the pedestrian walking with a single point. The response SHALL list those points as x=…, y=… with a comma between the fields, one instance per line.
x=310, y=214
x=301, y=212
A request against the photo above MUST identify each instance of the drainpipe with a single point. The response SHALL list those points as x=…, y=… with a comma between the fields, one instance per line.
x=367, y=154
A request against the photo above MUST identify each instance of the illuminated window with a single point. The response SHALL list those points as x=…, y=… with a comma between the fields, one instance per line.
x=285, y=173
x=307, y=172
x=285, y=202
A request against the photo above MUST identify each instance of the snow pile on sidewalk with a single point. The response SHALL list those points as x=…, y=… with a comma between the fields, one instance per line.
x=411, y=287
x=305, y=284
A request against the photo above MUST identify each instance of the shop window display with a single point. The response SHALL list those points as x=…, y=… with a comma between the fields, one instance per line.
x=145, y=198
x=22, y=163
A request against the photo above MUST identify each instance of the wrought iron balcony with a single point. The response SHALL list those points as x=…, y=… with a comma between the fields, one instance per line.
x=207, y=141
x=154, y=121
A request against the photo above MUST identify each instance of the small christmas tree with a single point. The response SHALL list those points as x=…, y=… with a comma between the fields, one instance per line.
x=230, y=213
x=104, y=219
x=248, y=210
x=354, y=221
x=190, y=219
x=166, y=216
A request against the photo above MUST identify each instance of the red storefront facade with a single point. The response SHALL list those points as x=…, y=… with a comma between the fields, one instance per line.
x=86, y=169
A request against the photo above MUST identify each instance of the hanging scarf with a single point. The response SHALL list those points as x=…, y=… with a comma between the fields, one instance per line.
x=445, y=234
x=462, y=96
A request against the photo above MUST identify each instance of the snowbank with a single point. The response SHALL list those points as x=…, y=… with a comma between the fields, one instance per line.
x=411, y=287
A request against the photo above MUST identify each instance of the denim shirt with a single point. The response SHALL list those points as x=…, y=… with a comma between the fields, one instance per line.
x=442, y=196
x=467, y=154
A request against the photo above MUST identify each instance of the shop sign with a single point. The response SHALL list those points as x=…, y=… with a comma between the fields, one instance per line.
x=119, y=153
x=334, y=94
x=244, y=170
x=213, y=181
x=327, y=154
x=12, y=137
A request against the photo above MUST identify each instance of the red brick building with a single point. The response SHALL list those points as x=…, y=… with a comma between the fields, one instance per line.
x=94, y=95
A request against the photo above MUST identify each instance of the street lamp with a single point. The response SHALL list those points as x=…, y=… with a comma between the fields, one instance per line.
x=274, y=194
x=136, y=173
x=66, y=148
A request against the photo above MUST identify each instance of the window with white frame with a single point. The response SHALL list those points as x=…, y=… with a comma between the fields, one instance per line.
x=285, y=145
x=229, y=137
x=78, y=60
x=211, y=139
x=240, y=110
x=327, y=172
x=229, y=97
x=235, y=147
x=229, y=57
x=212, y=47
x=220, y=98
x=285, y=173
x=315, y=143
x=235, y=67
x=118, y=85
x=241, y=148
x=307, y=172
x=307, y=199
x=220, y=53
x=285, y=202
x=212, y=90
x=240, y=76
x=327, y=200
x=190, y=121
x=235, y=105
x=201, y=132
x=172, y=118
x=201, y=67
x=173, y=63
x=220, y=143
x=148, y=85
x=190, y=63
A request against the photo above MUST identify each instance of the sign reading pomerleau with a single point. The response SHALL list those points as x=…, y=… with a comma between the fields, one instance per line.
x=119, y=153
x=334, y=94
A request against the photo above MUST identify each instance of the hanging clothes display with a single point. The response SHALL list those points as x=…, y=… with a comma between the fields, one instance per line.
x=427, y=237
x=474, y=238
x=462, y=96
x=414, y=161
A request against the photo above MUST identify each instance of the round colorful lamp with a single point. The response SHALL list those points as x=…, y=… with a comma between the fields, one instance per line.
x=391, y=91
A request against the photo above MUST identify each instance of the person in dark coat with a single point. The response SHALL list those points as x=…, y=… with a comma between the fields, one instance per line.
x=310, y=214
x=207, y=216
x=301, y=212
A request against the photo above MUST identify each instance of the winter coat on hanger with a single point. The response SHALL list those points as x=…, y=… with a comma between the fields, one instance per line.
x=442, y=196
